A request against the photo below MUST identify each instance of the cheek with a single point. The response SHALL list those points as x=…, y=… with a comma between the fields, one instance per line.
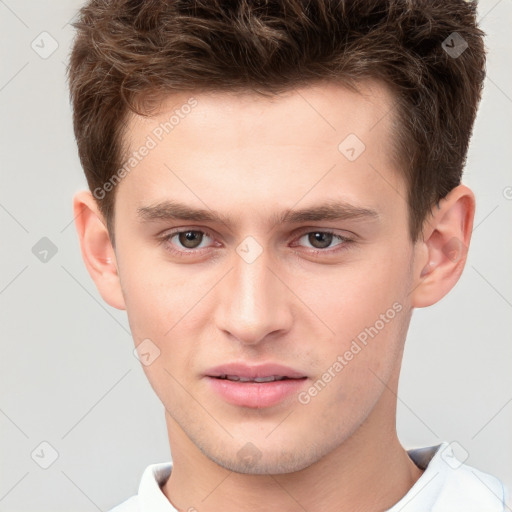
x=366, y=308
x=163, y=305
x=148, y=306
x=160, y=309
x=349, y=381
x=357, y=298
x=157, y=294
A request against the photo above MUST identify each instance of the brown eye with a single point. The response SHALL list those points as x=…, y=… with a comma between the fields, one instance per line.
x=320, y=239
x=188, y=243
x=323, y=242
x=190, y=239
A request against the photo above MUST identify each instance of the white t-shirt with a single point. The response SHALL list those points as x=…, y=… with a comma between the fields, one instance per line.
x=446, y=485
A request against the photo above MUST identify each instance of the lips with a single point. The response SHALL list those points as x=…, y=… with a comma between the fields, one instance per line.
x=236, y=378
x=254, y=373
x=260, y=386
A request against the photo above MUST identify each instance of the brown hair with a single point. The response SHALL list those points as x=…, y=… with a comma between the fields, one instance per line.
x=129, y=51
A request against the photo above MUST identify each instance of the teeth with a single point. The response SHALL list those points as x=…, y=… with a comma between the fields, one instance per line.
x=267, y=379
x=236, y=378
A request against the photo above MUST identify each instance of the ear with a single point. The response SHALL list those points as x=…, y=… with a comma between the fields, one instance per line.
x=443, y=246
x=97, y=250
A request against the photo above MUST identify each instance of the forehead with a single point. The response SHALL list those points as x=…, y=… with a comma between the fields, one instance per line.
x=315, y=114
x=257, y=150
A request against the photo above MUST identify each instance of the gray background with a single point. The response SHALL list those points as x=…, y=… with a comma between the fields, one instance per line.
x=68, y=374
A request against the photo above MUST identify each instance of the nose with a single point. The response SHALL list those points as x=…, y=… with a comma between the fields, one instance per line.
x=254, y=303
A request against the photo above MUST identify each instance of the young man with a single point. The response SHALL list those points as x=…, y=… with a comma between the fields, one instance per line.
x=274, y=187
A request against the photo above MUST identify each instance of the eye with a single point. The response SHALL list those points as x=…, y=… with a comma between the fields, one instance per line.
x=321, y=241
x=189, y=239
x=190, y=242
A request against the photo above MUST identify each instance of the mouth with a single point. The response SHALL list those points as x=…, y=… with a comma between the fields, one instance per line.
x=255, y=386
x=238, y=378
x=244, y=372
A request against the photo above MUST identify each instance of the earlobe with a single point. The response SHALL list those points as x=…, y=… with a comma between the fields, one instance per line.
x=441, y=255
x=97, y=251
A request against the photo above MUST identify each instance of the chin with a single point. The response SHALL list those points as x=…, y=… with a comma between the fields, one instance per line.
x=250, y=460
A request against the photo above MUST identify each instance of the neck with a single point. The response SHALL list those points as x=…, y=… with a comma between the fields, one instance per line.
x=368, y=472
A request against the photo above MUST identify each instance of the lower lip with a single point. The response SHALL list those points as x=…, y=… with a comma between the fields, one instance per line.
x=255, y=394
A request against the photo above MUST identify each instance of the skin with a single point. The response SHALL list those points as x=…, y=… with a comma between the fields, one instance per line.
x=250, y=157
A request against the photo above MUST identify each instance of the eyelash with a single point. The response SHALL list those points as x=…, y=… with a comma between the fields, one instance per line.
x=194, y=252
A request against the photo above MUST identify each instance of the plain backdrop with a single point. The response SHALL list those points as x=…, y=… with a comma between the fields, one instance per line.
x=69, y=378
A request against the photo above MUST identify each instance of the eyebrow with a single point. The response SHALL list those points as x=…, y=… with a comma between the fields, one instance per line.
x=328, y=211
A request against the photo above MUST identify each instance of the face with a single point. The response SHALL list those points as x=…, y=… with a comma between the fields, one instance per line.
x=298, y=255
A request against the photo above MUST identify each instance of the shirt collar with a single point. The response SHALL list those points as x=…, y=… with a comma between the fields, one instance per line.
x=445, y=485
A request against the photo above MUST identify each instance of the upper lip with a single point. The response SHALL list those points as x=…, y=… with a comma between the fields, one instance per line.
x=254, y=371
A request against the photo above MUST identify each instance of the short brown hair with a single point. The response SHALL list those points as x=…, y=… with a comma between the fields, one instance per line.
x=126, y=51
